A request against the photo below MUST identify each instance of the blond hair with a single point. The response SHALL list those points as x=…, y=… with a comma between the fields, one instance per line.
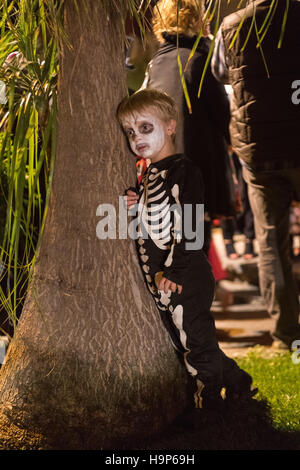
x=183, y=17
x=148, y=99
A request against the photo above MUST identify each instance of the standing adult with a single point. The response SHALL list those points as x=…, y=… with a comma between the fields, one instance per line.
x=264, y=132
x=203, y=135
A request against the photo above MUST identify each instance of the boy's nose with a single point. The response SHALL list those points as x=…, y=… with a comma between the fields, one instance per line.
x=137, y=137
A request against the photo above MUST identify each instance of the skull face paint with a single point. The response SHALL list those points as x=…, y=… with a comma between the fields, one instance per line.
x=146, y=134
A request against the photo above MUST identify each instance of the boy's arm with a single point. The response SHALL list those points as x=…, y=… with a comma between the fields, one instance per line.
x=187, y=188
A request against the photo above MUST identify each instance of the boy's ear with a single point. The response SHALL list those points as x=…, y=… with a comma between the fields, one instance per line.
x=171, y=129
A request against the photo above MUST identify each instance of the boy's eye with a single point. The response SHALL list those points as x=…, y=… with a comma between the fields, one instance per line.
x=129, y=132
x=146, y=128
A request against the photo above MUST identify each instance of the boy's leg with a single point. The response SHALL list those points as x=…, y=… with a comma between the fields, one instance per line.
x=199, y=349
x=216, y=369
x=191, y=326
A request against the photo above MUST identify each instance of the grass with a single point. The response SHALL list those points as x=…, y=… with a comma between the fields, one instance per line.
x=278, y=379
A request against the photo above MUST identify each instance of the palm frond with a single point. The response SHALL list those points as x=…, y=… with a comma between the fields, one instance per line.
x=29, y=58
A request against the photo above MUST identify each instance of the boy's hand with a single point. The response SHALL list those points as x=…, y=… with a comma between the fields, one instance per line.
x=166, y=285
x=131, y=198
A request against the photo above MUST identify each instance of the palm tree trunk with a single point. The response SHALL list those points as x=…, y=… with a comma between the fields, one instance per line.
x=227, y=9
x=90, y=364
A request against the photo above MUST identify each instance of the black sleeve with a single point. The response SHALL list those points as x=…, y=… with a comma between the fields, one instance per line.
x=185, y=182
x=213, y=95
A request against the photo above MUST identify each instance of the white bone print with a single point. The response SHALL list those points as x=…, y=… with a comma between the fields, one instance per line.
x=155, y=218
x=177, y=316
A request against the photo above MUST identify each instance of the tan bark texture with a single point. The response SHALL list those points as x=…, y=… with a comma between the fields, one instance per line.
x=228, y=8
x=90, y=366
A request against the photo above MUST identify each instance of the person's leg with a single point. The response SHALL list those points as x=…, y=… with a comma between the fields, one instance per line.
x=191, y=327
x=270, y=198
x=228, y=228
x=248, y=224
x=207, y=236
x=192, y=330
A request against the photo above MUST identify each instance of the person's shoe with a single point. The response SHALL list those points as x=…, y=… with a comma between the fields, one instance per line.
x=239, y=388
x=285, y=342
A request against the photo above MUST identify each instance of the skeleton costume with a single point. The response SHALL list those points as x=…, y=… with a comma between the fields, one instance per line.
x=176, y=182
x=172, y=183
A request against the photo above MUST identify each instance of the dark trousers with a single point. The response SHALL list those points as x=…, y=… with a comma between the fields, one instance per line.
x=270, y=194
x=243, y=222
x=190, y=324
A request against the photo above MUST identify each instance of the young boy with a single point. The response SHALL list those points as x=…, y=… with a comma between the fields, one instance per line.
x=175, y=268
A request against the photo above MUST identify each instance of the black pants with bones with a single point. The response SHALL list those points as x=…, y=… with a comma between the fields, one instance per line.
x=190, y=324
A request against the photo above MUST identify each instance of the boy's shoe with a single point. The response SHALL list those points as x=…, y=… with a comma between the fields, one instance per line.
x=240, y=387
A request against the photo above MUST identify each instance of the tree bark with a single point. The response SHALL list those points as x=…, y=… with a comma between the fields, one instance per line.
x=90, y=365
x=227, y=9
